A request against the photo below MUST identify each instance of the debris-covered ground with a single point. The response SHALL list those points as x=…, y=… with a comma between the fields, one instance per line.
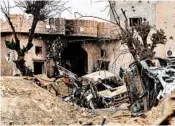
x=26, y=103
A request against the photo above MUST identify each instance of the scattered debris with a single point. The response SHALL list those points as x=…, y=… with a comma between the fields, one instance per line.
x=147, y=81
x=168, y=111
x=144, y=83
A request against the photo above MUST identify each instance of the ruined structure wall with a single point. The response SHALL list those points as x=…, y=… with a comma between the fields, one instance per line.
x=113, y=52
x=7, y=66
x=93, y=51
x=165, y=19
x=22, y=23
x=134, y=9
x=159, y=13
x=81, y=27
x=143, y=9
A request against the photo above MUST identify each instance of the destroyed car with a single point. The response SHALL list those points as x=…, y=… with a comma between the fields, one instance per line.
x=100, y=89
x=148, y=81
x=105, y=88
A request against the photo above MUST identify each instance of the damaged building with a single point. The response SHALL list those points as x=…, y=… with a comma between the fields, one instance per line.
x=88, y=44
x=35, y=58
x=159, y=14
x=91, y=45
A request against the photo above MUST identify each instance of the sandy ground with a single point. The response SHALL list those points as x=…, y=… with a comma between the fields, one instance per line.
x=26, y=103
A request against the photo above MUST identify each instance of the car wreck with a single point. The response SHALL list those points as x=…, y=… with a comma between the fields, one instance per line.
x=108, y=87
x=148, y=81
x=100, y=89
x=142, y=85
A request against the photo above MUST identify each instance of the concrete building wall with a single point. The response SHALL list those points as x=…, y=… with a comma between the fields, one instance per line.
x=118, y=55
x=114, y=54
x=7, y=65
x=158, y=13
x=93, y=51
x=22, y=23
x=165, y=19
x=134, y=8
x=7, y=55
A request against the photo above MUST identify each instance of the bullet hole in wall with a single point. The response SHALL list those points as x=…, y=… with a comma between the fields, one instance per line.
x=171, y=37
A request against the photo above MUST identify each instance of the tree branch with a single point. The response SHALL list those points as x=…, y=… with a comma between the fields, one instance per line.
x=126, y=19
x=5, y=10
x=114, y=13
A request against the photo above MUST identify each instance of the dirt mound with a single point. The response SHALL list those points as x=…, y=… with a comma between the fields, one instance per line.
x=26, y=103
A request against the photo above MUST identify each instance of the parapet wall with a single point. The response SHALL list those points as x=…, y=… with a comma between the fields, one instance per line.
x=61, y=26
x=81, y=28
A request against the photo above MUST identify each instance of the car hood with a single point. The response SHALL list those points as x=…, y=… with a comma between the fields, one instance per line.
x=111, y=93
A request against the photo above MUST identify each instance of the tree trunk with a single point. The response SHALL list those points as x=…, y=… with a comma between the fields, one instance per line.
x=20, y=62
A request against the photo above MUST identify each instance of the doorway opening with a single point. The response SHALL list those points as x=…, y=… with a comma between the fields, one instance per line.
x=38, y=67
x=75, y=58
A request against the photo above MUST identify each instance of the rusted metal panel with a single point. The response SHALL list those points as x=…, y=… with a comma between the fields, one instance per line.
x=140, y=89
x=128, y=82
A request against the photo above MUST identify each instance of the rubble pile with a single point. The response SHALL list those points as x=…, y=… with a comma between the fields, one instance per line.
x=25, y=103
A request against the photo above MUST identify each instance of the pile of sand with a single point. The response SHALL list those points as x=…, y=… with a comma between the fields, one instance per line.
x=26, y=103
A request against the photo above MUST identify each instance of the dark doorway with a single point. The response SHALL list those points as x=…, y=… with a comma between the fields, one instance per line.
x=38, y=67
x=74, y=58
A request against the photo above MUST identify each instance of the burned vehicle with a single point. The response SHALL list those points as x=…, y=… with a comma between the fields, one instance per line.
x=100, y=89
x=148, y=81
x=105, y=87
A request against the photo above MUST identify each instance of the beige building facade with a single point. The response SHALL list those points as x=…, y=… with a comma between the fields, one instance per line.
x=35, y=57
x=88, y=42
x=159, y=13
x=165, y=19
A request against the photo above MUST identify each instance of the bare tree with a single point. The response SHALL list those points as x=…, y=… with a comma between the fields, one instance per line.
x=40, y=10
